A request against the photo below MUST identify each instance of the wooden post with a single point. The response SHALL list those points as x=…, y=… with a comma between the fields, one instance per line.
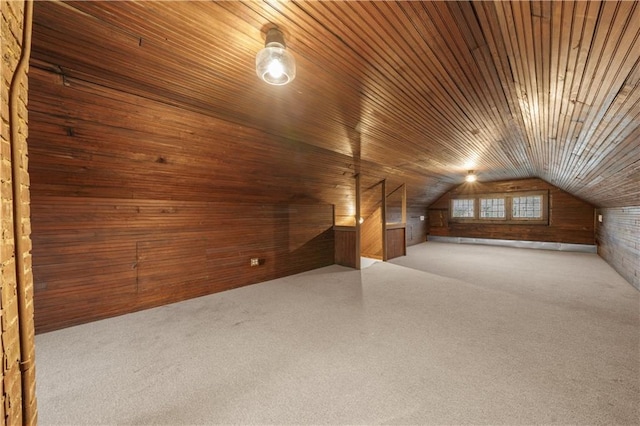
x=404, y=203
x=358, y=225
x=404, y=216
x=383, y=215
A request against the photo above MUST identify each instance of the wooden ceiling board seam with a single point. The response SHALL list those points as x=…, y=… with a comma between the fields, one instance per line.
x=542, y=22
x=154, y=141
x=540, y=38
x=592, y=189
x=516, y=74
x=481, y=54
x=594, y=155
x=492, y=80
x=189, y=107
x=565, y=34
x=577, y=120
x=530, y=66
x=443, y=64
x=523, y=95
x=488, y=16
x=591, y=67
x=498, y=43
x=605, y=35
x=626, y=151
x=611, y=150
x=407, y=88
x=418, y=40
x=622, y=67
x=522, y=27
x=578, y=46
x=52, y=58
x=418, y=102
x=353, y=71
x=557, y=69
x=462, y=59
x=484, y=96
x=300, y=38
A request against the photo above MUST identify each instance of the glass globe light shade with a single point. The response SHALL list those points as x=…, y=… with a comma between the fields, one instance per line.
x=274, y=64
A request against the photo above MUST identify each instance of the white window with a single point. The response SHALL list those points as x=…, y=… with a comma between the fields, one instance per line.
x=527, y=207
x=492, y=208
x=513, y=208
x=463, y=207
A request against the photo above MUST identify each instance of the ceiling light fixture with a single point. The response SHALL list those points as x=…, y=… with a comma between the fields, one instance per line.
x=471, y=176
x=273, y=63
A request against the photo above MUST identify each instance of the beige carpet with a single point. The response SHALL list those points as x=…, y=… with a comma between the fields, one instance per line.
x=450, y=334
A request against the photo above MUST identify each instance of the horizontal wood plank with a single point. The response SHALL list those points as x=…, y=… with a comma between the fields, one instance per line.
x=98, y=257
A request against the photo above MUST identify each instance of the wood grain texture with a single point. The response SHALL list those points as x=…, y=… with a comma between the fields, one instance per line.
x=89, y=140
x=371, y=236
x=345, y=247
x=571, y=220
x=396, y=243
x=99, y=257
x=137, y=203
x=417, y=223
x=394, y=204
x=411, y=91
x=618, y=240
x=156, y=103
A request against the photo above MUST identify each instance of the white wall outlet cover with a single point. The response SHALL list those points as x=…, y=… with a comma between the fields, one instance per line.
x=421, y=217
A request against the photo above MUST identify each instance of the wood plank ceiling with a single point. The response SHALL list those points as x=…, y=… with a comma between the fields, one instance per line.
x=416, y=92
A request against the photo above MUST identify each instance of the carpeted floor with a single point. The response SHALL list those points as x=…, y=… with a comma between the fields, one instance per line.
x=450, y=334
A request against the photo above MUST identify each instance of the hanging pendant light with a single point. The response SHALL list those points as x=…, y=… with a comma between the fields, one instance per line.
x=274, y=64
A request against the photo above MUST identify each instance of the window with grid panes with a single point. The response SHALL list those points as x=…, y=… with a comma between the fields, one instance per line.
x=505, y=208
x=527, y=207
x=463, y=208
x=492, y=208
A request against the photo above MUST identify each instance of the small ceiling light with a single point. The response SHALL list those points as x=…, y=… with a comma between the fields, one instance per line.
x=471, y=176
x=273, y=63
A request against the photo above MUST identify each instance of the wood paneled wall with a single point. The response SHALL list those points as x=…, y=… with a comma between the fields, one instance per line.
x=371, y=240
x=618, y=239
x=136, y=203
x=99, y=257
x=90, y=140
x=345, y=246
x=394, y=205
x=416, y=225
x=571, y=220
x=371, y=235
x=396, y=244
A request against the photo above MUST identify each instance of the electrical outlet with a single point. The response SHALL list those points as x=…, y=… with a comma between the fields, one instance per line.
x=421, y=217
x=255, y=261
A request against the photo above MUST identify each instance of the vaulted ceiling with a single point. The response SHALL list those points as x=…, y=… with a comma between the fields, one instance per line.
x=418, y=92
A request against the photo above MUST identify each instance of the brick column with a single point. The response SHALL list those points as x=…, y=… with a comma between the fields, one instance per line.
x=14, y=378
